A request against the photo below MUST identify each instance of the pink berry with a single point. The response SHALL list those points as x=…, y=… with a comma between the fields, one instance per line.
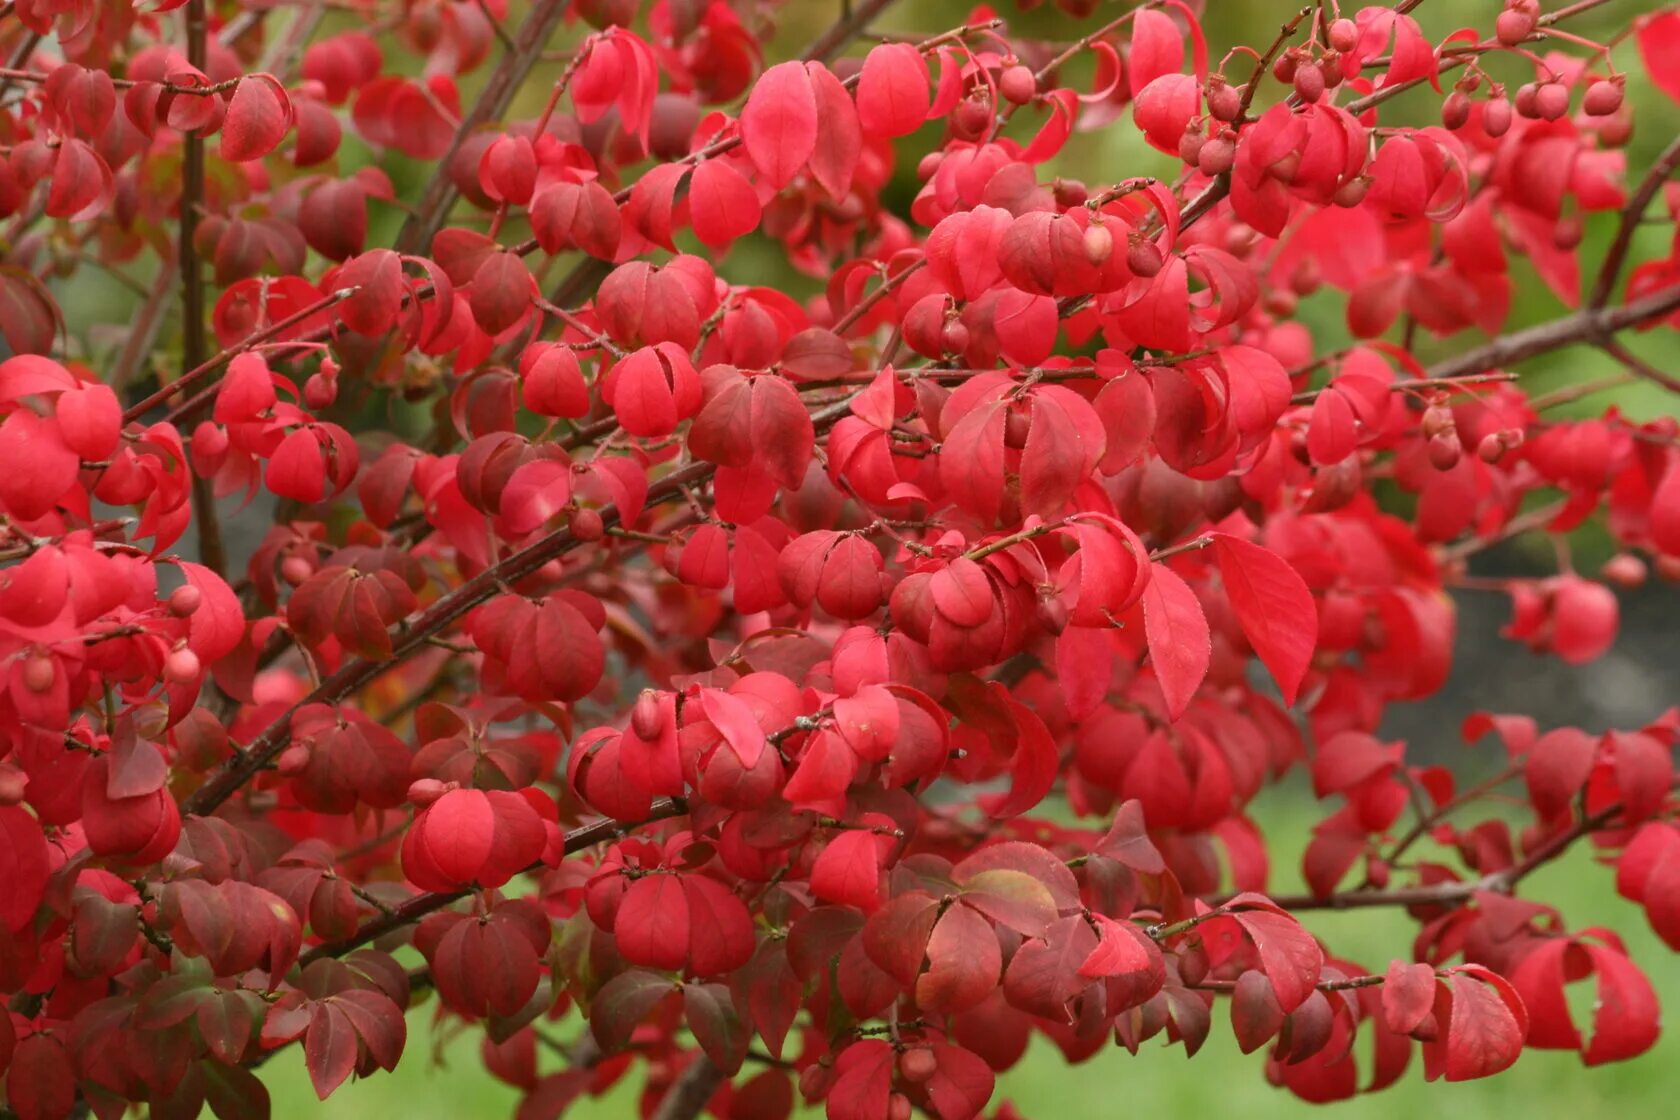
x=1455, y=110
x=1309, y=83
x=39, y=673
x=917, y=1065
x=181, y=666
x=646, y=718
x=1223, y=99
x=1496, y=117
x=586, y=524
x=1017, y=85
x=1602, y=99
x=1344, y=34
x=184, y=600
x=1216, y=156
x=1099, y=243
x=1143, y=258
x=1513, y=26
x=1551, y=101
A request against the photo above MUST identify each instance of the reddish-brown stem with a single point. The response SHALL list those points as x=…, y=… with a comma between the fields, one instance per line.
x=216, y=362
x=498, y=92
x=1628, y=223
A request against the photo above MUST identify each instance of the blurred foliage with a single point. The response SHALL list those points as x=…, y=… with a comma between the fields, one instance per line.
x=1159, y=1081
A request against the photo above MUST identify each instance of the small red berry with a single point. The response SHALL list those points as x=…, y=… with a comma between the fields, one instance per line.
x=1624, y=570
x=971, y=117
x=917, y=1065
x=585, y=524
x=1344, y=34
x=1052, y=612
x=1617, y=130
x=646, y=719
x=39, y=672
x=898, y=1107
x=319, y=391
x=1351, y=193
x=1223, y=99
x=424, y=791
x=1216, y=156
x=1602, y=99
x=1444, y=451
x=181, y=666
x=1017, y=85
x=184, y=600
x=1309, y=83
x=1455, y=110
x=954, y=337
x=1496, y=117
x=1528, y=100
x=1551, y=101
x=1143, y=258
x=1099, y=243
x=12, y=784
x=1513, y=26
x=1190, y=146
x=295, y=569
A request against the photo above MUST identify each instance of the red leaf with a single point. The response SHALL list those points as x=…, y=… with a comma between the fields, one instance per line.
x=862, y=1081
x=24, y=866
x=329, y=1049
x=961, y=1084
x=1659, y=47
x=835, y=159
x=848, y=870
x=257, y=119
x=1485, y=1025
x=1289, y=955
x=892, y=91
x=723, y=205
x=1557, y=768
x=42, y=1081
x=652, y=925
x=1177, y=630
x=720, y=928
x=779, y=122
x=1273, y=606
x=717, y=1026
x=964, y=962
x=1408, y=994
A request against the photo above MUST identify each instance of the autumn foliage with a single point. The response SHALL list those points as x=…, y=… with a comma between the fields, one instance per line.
x=480, y=591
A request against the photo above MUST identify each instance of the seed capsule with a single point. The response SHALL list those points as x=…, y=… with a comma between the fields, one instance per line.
x=917, y=1065
x=585, y=524
x=1017, y=85
x=184, y=600
x=1496, y=117
x=1099, y=243
x=1602, y=99
x=1144, y=258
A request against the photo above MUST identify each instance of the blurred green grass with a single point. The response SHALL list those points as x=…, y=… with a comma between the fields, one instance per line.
x=450, y=1080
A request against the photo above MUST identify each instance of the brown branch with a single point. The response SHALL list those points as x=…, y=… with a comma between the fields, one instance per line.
x=691, y=1090
x=1628, y=222
x=1638, y=366
x=420, y=905
x=510, y=73
x=1590, y=324
x=222, y=358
